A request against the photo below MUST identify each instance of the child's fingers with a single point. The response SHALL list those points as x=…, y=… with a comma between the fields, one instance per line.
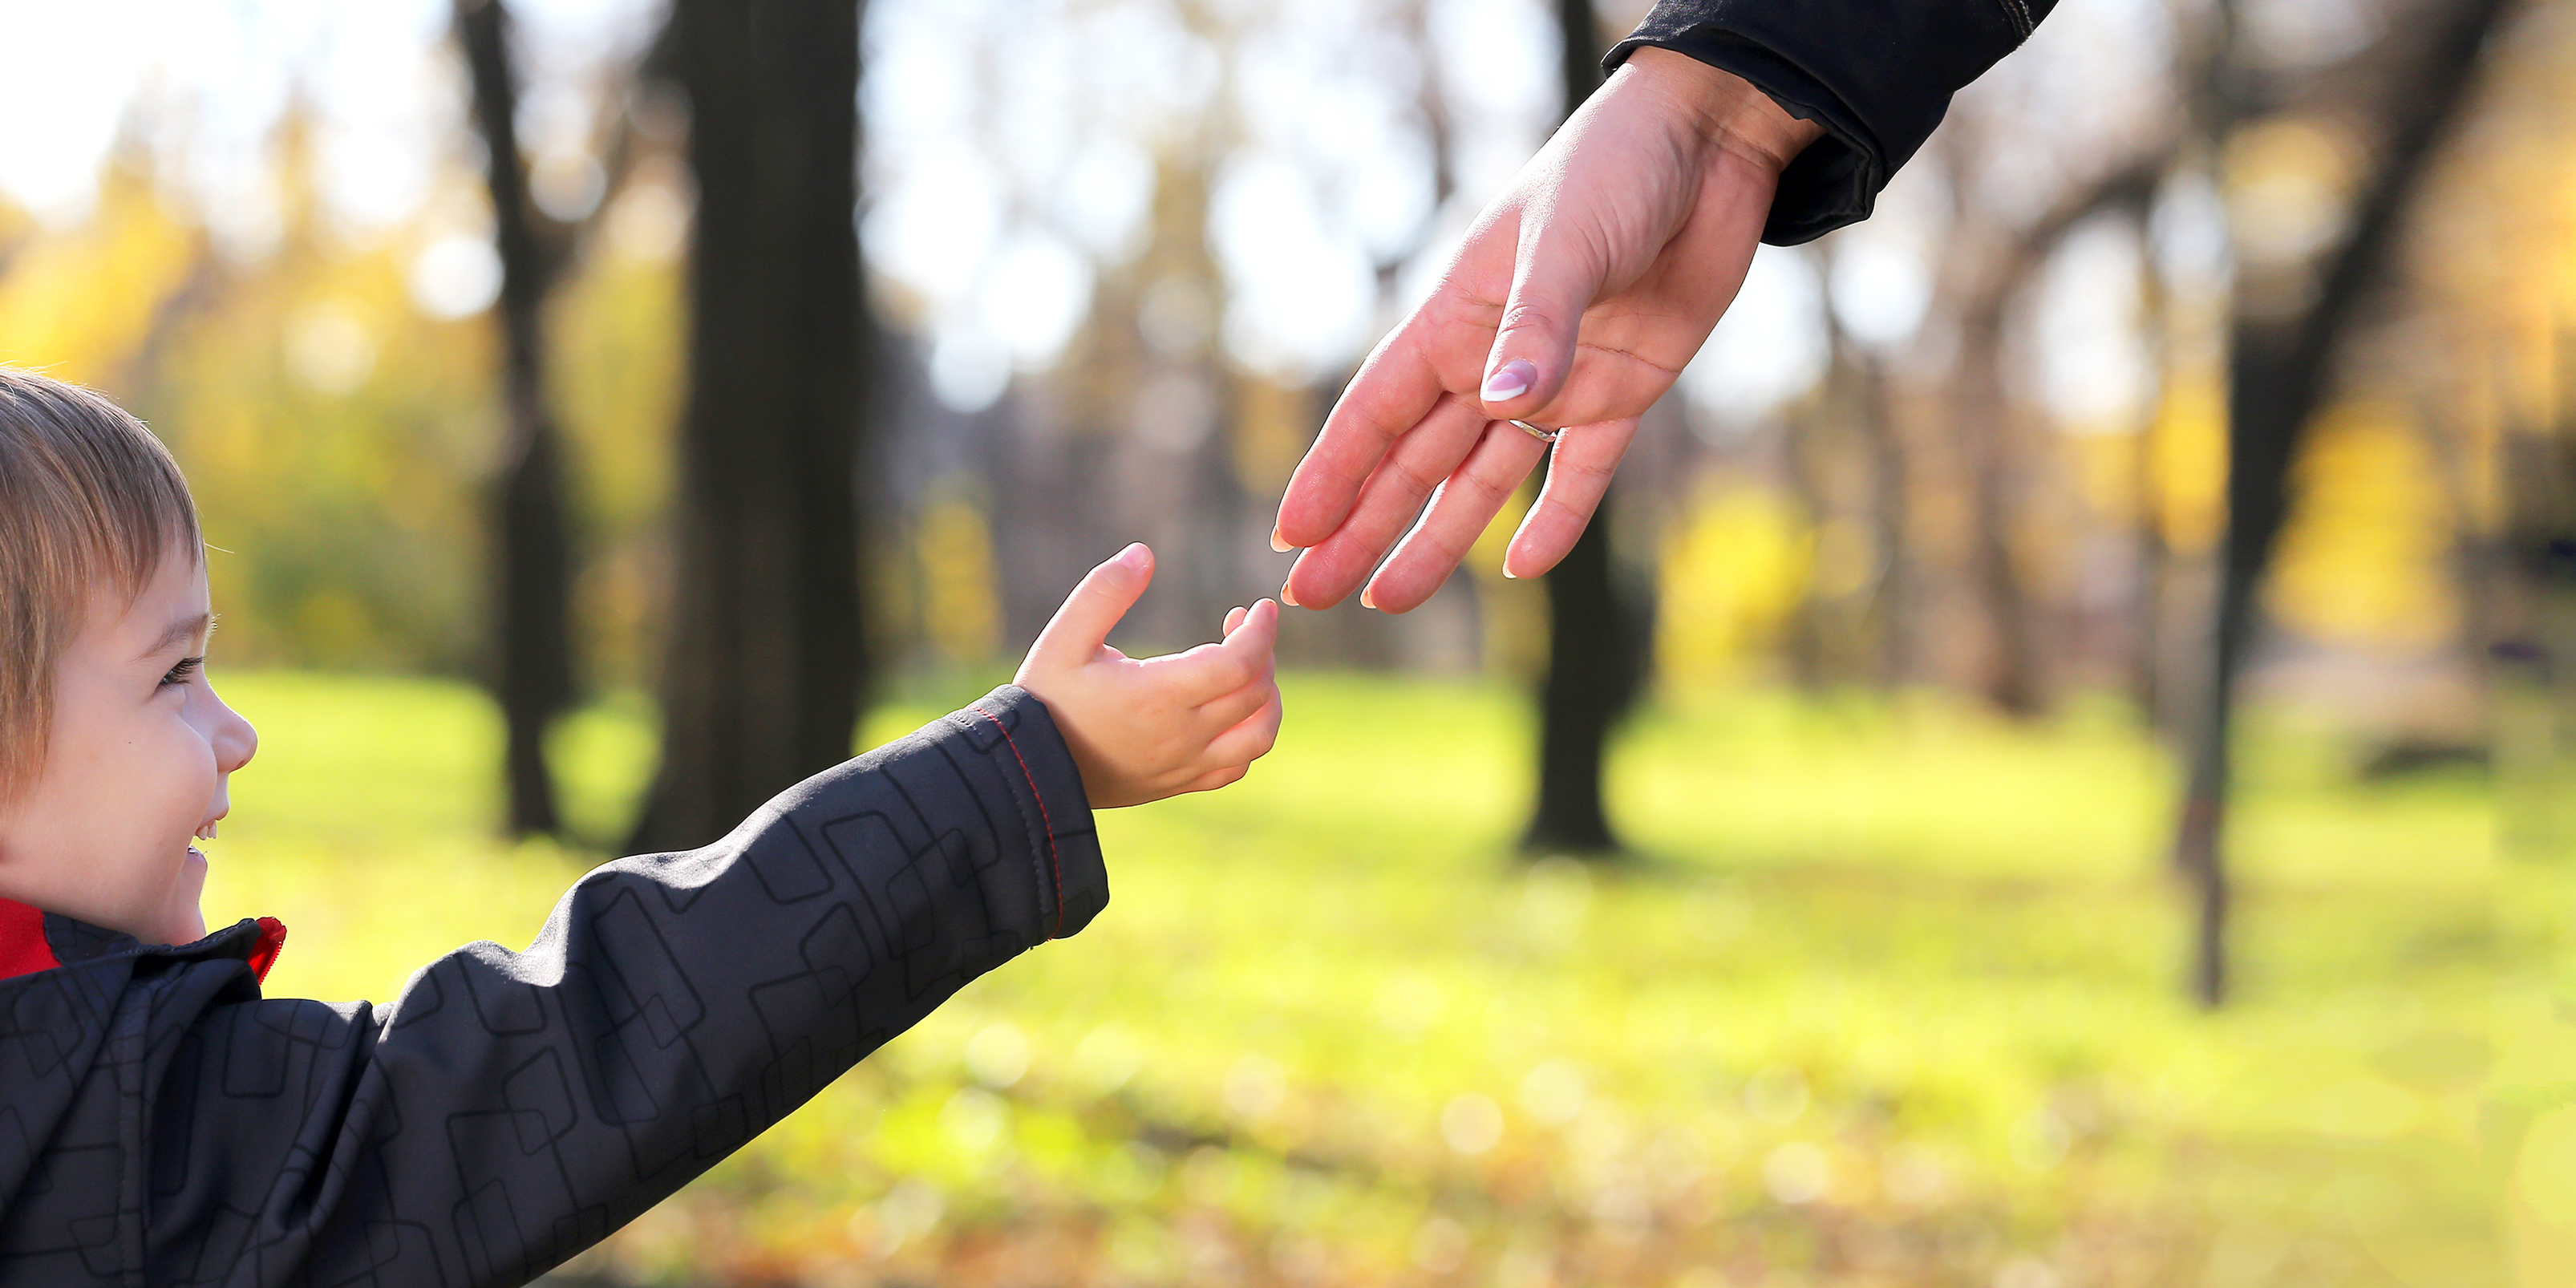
x=1252, y=739
x=1082, y=625
x=1215, y=778
x=1235, y=619
x=1211, y=670
x=1257, y=635
x=1226, y=710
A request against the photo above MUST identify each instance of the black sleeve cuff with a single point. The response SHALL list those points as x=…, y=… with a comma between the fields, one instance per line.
x=1072, y=879
x=1876, y=74
x=1835, y=181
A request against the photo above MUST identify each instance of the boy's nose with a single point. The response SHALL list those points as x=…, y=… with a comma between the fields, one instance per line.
x=235, y=741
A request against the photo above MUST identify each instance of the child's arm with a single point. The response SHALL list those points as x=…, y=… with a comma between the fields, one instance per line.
x=509, y=1109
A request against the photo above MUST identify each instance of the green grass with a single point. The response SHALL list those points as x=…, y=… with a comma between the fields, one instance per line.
x=1889, y=998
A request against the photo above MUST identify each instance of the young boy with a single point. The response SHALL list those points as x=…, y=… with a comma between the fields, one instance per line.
x=163, y=1124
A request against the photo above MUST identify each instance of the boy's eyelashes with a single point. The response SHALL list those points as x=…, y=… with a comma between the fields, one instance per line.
x=187, y=667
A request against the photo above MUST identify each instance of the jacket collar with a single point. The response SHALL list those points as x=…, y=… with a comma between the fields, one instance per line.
x=32, y=940
x=23, y=946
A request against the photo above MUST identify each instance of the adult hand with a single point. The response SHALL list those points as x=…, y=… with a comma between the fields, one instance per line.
x=1144, y=729
x=1577, y=298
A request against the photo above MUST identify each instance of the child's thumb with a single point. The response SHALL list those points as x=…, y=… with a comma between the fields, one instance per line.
x=1083, y=624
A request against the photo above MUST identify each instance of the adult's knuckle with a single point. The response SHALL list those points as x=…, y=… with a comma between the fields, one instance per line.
x=1583, y=470
x=1413, y=479
x=1482, y=486
x=1528, y=315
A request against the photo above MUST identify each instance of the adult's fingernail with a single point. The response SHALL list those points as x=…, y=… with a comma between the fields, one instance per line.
x=1289, y=598
x=1279, y=543
x=1368, y=599
x=1509, y=575
x=1510, y=380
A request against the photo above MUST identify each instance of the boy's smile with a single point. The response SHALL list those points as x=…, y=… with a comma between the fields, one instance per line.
x=136, y=764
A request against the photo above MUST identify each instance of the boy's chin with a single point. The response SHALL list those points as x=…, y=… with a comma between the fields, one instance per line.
x=185, y=920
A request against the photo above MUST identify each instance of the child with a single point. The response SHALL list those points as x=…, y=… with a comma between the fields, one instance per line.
x=162, y=1123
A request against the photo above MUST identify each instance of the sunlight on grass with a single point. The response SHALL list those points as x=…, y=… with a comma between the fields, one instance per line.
x=1890, y=998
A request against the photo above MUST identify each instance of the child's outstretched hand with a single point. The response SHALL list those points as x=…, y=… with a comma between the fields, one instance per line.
x=1142, y=730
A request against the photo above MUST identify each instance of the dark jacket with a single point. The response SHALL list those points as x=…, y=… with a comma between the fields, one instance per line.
x=1876, y=74
x=162, y=1124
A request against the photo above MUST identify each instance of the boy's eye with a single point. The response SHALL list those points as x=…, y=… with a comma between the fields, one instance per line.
x=180, y=674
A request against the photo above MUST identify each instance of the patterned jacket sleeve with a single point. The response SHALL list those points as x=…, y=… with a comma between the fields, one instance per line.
x=510, y=1109
x=1876, y=74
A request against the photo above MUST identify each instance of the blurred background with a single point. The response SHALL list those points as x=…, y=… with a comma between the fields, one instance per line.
x=2055, y=772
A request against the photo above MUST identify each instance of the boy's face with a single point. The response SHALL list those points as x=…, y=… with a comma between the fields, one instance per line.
x=135, y=767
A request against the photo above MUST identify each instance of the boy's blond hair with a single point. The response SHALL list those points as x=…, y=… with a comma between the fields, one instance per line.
x=89, y=500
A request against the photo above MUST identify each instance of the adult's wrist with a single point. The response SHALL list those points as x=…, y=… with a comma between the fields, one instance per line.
x=1728, y=112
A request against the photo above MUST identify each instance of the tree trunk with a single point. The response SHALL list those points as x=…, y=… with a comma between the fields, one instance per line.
x=1984, y=420
x=1596, y=657
x=2527, y=630
x=1595, y=667
x=1811, y=642
x=1892, y=591
x=2279, y=369
x=1997, y=457
x=531, y=534
x=2147, y=689
x=762, y=677
x=2147, y=521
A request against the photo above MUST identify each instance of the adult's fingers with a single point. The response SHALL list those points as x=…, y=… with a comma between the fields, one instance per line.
x=1394, y=493
x=1467, y=502
x=1393, y=391
x=1577, y=475
x=1079, y=629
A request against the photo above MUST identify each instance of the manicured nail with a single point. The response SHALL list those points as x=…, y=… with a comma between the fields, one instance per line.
x=1510, y=380
x=1289, y=598
x=1509, y=575
x=1279, y=543
x=1368, y=599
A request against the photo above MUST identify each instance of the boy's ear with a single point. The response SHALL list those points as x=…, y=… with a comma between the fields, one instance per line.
x=1081, y=627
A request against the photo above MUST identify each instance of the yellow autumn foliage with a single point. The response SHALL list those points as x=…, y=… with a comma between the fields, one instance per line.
x=2363, y=560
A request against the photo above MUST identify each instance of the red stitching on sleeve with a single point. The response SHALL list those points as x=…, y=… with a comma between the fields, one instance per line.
x=1054, y=864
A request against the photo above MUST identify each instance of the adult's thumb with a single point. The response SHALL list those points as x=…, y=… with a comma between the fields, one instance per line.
x=1083, y=624
x=1554, y=280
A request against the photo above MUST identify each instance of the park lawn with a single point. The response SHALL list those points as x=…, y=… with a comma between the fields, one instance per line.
x=1888, y=997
